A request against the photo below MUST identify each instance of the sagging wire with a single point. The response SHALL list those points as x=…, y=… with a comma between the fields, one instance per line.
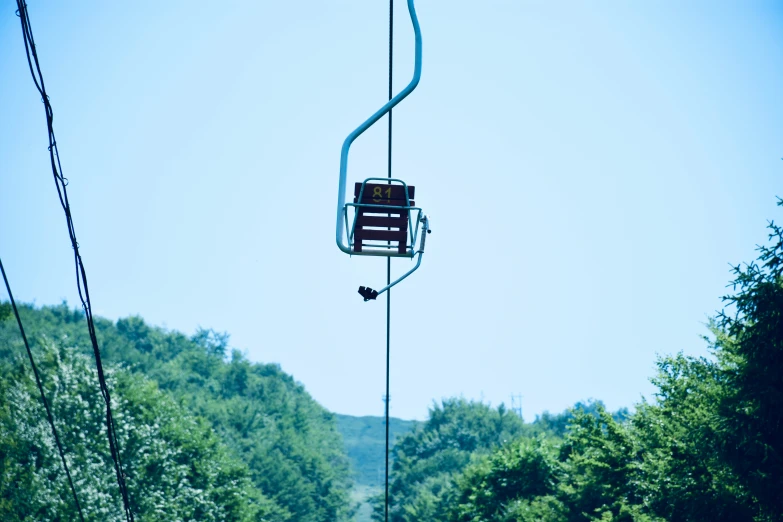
x=81, y=276
x=43, y=395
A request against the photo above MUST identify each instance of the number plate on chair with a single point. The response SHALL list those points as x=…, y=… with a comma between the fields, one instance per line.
x=377, y=194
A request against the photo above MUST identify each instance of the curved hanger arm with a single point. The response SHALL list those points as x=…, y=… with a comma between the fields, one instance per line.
x=370, y=295
x=366, y=125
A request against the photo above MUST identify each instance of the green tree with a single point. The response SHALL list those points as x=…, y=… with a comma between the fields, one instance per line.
x=427, y=459
x=176, y=467
x=266, y=419
x=749, y=346
x=600, y=470
x=684, y=474
x=589, y=474
x=517, y=473
x=5, y=311
x=557, y=423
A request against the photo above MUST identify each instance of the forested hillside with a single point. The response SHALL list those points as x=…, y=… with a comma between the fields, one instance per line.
x=708, y=448
x=243, y=431
x=364, y=439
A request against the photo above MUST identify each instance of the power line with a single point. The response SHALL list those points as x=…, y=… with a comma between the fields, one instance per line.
x=81, y=276
x=43, y=395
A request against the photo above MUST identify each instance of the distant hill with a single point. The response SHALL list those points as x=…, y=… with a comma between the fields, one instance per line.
x=364, y=439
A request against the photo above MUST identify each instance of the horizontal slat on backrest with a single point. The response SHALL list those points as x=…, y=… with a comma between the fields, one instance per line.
x=379, y=194
x=382, y=235
x=385, y=209
x=373, y=221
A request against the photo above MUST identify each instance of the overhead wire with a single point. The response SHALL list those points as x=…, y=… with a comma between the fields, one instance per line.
x=49, y=415
x=81, y=276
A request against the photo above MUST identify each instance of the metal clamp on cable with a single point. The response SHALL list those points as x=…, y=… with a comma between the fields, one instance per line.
x=425, y=227
x=368, y=293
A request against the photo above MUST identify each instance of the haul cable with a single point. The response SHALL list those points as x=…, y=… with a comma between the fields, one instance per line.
x=388, y=269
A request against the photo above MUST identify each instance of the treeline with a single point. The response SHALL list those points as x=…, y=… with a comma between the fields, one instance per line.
x=205, y=434
x=709, y=447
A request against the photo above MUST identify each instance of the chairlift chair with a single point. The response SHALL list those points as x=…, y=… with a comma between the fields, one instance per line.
x=383, y=219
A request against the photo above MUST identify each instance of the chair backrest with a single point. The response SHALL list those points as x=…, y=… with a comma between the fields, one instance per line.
x=380, y=194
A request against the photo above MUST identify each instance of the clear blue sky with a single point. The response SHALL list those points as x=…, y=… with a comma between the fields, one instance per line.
x=591, y=169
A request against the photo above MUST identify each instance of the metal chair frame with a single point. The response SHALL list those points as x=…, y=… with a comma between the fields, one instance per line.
x=422, y=222
x=384, y=249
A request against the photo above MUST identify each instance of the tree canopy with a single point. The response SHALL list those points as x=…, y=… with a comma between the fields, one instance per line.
x=207, y=435
x=176, y=467
x=709, y=447
x=287, y=443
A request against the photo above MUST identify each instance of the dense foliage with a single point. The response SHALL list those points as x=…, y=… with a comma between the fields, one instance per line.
x=287, y=443
x=176, y=467
x=427, y=459
x=749, y=345
x=708, y=448
x=206, y=435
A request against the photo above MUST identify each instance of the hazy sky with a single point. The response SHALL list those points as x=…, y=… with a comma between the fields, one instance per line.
x=591, y=169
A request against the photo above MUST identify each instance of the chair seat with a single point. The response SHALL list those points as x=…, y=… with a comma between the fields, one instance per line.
x=371, y=221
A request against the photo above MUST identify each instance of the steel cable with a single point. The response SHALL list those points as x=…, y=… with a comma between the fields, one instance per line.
x=388, y=266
